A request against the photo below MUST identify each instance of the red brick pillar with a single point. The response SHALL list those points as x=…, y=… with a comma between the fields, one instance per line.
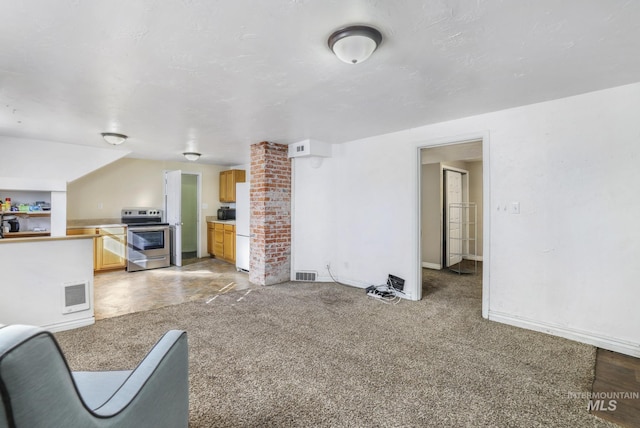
x=270, y=214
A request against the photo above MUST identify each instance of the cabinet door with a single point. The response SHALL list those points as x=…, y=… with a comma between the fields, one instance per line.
x=228, y=180
x=230, y=243
x=231, y=187
x=110, y=249
x=224, y=178
x=218, y=241
x=210, y=238
x=110, y=252
x=84, y=231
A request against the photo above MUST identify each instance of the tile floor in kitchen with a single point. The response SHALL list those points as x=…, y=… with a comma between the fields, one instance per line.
x=121, y=292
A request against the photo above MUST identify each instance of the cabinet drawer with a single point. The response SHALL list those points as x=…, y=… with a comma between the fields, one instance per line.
x=117, y=230
x=82, y=231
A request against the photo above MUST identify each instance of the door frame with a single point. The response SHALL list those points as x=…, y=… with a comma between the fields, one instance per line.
x=486, y=202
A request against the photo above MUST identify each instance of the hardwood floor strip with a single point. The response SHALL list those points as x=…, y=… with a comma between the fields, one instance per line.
x=615, y=374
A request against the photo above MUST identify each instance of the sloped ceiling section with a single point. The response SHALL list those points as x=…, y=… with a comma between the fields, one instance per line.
x=29, y=161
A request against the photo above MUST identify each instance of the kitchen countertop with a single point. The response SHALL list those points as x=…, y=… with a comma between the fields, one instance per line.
x=214, y=219
x=94, y=222
x=43, y=238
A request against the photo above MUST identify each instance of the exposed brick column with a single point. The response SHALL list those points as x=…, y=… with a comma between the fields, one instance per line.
x=270, y=214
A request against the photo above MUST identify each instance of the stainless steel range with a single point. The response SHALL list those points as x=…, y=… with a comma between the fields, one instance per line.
x=148, y=243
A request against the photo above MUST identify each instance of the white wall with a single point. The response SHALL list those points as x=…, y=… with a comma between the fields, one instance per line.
x=431, y=201
x=317, y=241
x=475, y=195
x=567, y=264
x=33, y=276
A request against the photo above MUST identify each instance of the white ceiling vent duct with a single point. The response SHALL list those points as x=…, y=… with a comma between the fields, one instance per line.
x=308, y=148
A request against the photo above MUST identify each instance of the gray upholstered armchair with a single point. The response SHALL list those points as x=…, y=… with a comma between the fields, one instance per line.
x=38, y=389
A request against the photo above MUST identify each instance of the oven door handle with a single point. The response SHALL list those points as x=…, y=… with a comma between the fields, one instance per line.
x=146, y=259
x=147, y=228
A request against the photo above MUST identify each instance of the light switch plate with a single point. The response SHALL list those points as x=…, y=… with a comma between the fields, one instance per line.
x=515, y=207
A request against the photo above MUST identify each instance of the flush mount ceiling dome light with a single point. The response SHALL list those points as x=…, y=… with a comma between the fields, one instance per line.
x=354, y=44
x=192, y=156
x=113, y=138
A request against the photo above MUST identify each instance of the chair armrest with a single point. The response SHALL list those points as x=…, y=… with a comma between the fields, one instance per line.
x=157, y=391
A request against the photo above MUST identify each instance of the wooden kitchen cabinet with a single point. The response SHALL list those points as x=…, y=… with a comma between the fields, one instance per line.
x=230, y=243
x=228, y=180
x=211, y=230
x=221, y=241
x=110, y=249
x=82, y=231
x=218, y=241
x=109, y=246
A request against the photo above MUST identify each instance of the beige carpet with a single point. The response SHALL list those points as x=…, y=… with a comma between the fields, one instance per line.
x=311, y=354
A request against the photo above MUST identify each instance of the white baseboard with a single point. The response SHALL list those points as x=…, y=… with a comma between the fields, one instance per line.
x=473, y=258
x=323, y=279
x=69, y=325
x=353, y=283
x=609, y=343
x=428, y=265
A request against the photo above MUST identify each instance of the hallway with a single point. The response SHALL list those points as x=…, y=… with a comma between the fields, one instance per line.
x=121, y=292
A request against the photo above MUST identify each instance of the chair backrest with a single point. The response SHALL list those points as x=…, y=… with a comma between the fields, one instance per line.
x=35, y=382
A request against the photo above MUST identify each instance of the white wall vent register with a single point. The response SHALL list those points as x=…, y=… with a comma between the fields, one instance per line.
x=306, y=276
x=309, y=148
x=75, y=297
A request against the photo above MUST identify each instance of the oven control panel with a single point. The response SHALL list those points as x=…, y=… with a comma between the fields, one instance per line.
x=141, y=212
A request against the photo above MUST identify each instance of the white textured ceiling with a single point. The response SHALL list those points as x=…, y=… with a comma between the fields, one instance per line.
x=217, y=76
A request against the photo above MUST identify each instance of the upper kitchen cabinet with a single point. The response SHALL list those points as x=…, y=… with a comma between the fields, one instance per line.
x=228, y=180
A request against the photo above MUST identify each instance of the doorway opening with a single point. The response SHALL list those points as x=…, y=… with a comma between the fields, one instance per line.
x=182, y=202
x=189, y=217
x=451, y=201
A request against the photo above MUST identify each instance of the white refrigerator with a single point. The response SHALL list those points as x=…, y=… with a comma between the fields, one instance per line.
x=243, y=212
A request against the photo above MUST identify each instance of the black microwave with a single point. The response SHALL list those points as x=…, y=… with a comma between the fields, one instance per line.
x=226, y=213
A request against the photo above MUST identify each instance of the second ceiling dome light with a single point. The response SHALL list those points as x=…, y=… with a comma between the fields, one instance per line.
x=355, y=43
x=191, y=156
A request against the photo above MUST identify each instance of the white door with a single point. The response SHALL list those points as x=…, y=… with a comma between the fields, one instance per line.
x=453, y=207
x=173, y=205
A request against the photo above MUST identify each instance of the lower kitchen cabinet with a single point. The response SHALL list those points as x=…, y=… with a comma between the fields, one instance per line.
x=109, y=246
x=230, y=243
x=218, y=241
x=110, y=249
x=221, y=241
x=211, y=228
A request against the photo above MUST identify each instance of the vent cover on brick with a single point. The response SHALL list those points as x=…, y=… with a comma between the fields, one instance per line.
x=306, y=276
